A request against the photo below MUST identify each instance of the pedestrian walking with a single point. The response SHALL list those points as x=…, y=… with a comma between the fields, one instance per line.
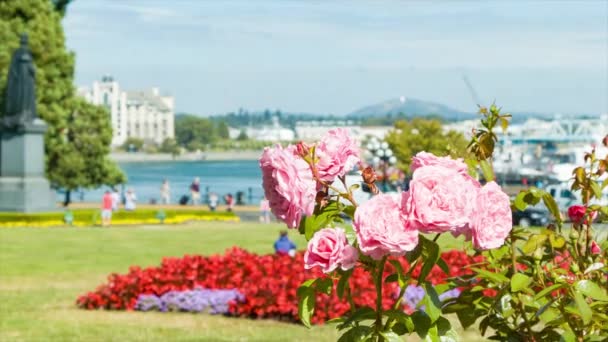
x=106, y=209
x=130, y=200
x=195, y=191
x=165, y=192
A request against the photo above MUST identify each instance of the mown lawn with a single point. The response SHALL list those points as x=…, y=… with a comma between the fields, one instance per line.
x=42, y=272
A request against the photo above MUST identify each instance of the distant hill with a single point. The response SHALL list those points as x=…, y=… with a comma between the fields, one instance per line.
x=411, y=107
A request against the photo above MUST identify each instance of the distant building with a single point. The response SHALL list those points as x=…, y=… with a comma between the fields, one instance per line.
x=275, y=132
x=134, y=114
x=314, y=130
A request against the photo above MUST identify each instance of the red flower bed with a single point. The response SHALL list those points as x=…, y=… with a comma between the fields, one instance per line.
x=269, y=283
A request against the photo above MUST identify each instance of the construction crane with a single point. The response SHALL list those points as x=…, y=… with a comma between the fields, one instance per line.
x=471, y=90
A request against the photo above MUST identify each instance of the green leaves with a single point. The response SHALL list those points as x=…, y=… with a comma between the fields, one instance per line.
x=519, y=282
x=583, y=308
x=430, y=255
x=591, y=290
x=307, y=295
x=486, y=169
x=306, y=301
x=309, y=225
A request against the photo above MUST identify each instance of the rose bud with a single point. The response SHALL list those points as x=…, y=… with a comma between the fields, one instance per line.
x=302, y=149
x=321, y=198
x=595, y=248
x=576, y=213
x=369, y=175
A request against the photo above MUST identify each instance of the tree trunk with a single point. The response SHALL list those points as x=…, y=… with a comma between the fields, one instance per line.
x=67, y=200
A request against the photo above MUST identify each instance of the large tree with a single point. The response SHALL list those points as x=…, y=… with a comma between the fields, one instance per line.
x=417, y=135
x=67, y=163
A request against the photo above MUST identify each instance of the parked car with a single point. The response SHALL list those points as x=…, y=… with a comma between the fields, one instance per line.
x=532, y=216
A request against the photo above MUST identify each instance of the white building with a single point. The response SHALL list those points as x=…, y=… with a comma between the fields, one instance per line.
x=134, y=114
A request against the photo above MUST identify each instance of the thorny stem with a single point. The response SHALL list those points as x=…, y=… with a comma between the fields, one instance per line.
x=527, y=323
x=436, y=237
x=379, y=275
x=513, y=256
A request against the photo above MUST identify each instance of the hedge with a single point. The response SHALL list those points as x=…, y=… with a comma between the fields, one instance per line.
x=88, y=217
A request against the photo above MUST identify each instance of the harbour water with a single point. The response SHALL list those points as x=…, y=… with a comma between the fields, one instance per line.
x=221, y=177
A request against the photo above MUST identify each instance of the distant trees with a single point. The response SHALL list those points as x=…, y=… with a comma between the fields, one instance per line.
x=417, y=135
x=133, y=144
x=79, y=134
x=170, y=145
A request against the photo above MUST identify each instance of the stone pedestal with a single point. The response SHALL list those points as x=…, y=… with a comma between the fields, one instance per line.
x=23, y=187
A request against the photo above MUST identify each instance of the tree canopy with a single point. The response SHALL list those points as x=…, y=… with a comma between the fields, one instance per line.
x=417, y=135
x=78, y=136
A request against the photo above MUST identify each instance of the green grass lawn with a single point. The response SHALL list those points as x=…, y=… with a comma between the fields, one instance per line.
x=43, y=271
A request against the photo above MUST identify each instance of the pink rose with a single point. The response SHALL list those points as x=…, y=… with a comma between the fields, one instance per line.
x=493, y=219
x=382, y=229
x=288, y=184
x=577, y=213
x=337, y=154
x=329, y=249
x=440, y=199
x=427, y=159
x=595, y=248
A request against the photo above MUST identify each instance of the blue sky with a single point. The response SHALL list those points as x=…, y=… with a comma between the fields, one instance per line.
x=337, y=56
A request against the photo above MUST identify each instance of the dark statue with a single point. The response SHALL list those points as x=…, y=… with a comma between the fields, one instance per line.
x=20, y=100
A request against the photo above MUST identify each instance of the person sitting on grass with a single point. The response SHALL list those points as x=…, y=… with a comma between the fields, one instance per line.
x=284, y=246
x=106, y=209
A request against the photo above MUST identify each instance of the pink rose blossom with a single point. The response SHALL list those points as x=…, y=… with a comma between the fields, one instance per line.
x=427, y=159
x=329, y=249
x=493, y=219
x=288, y=184
x=595, y=248
x=577, y=213
x=337, y=154
x=382, y=229
x=440, y=199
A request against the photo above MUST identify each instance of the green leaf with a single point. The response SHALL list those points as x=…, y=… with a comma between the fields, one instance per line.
x=400, y=273
x=414, y=254
x=467, y=317
x=519, y=202
x=306, y=304
x=390, y=336
x=557, y=241
x=315, y=222
x=357, y=333
x=519, y=281
x=343, y=282
x=350, y=211
x=552, y=206
x=597, y=190
x=568, y=336
x=535, y=242
x=486, y=169
x=361, y=314
x=496, y=277
x=605, y=183
x=432, y=302
x=583, y=308
x=422, y=323
x=324, y=285
x=591, y=290
x=430, y=254
x=444, y=266
x=547, y=290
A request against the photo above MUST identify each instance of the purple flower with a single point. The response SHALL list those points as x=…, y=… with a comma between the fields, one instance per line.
x=414, y=295
x=197, y=300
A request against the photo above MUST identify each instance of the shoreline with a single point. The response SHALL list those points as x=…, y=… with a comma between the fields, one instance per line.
x=141, y=157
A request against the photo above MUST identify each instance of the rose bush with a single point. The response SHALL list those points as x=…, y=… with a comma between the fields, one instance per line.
x=442, y=198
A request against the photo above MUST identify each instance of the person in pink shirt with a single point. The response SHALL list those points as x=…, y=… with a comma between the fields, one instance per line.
x=264, y=210
x=106, y=209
